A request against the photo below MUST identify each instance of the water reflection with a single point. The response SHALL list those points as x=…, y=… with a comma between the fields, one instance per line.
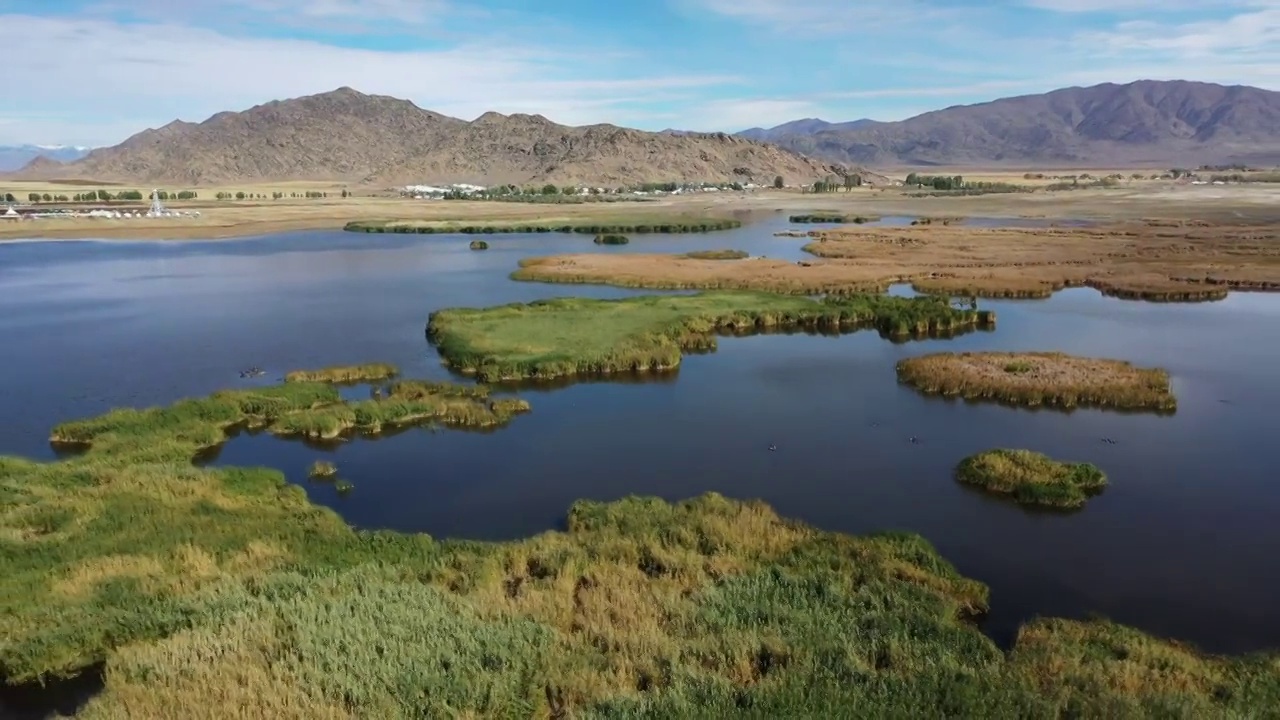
x=1182, y=542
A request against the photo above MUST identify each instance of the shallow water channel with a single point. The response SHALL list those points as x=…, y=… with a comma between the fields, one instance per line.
x=1182, y=543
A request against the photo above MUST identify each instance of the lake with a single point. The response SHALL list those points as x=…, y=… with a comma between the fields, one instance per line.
x=1182, y=543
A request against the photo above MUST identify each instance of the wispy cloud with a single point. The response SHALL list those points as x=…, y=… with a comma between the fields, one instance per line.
x=94, y=71
x=153, y=73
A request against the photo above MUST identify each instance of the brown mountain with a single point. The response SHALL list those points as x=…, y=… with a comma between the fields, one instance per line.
x=349, y=136
x=1174, y=122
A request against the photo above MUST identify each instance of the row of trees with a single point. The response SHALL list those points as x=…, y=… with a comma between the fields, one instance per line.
x=831, y=184
x=277, y=195
x=948, y=183
x=102, y=196
x=551, y=189
x=164, y=195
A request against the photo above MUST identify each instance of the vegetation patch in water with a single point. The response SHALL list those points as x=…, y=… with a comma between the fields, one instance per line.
x=832, y=218
x=1045, y=378
x=322, y=469
x=1032, y=478
x=633, y=225
x=369, y=372
x=479, y=245
x=611, y=239
x=569, y=336
x=225, y=589
x=718, y=255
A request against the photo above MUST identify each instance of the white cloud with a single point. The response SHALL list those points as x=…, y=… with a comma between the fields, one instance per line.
x=831, y=16
x=89, y=78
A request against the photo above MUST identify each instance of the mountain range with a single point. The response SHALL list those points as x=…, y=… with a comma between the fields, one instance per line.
x=13, y=157
x=349, y=136
x=1143, y=122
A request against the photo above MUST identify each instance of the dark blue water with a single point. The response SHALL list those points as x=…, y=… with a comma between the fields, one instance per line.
x=1182, y=543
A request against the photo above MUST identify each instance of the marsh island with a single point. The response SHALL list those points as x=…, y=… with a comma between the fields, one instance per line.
x=225, y=591
x=1040, y=378
x=1032, y=478
x=570, y=336
x=593, y=226
x=1138, y=261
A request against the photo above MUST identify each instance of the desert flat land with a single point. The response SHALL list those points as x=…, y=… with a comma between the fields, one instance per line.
x=239, y=218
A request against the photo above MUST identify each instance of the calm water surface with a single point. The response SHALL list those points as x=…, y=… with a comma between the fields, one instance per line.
x=1182, y=543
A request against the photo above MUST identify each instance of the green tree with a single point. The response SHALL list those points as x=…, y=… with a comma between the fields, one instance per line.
x=33, y=197
x=103, y=195
x=550, y=189
x=8, y=197
x=239, y=196
x=47, y=197
x=777, y=182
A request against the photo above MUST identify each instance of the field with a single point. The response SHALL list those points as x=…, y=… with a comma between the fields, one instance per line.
x=1032, y=478
x=224, y=592
x=570, y=336
x=236, y=218
x=1040, y=379
x=1151, y=260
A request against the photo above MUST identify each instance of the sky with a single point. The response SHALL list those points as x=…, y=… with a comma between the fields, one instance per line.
x=93, y=72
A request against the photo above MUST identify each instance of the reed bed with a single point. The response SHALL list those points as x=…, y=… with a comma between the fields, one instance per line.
x=833, y=218
x=571, y=336
x=322, y=469
x=624, y=225
x=718, y=255
x=1032, y=478
x=1183, y=263
x=370, y=372
x=612, y=239
x=225, y=593
x=1040, y=379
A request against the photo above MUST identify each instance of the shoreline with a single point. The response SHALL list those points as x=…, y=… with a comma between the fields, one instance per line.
x=233, y=220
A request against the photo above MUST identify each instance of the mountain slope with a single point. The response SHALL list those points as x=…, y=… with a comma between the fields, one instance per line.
x=349, y=136
x=1140, y=122
x=13, y=157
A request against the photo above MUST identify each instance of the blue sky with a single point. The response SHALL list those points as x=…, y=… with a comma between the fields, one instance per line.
x=93, y=72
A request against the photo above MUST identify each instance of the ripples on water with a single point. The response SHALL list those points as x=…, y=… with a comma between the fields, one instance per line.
x=1182, y=543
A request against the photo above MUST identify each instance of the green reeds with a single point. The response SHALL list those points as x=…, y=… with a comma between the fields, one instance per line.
x=611, y=239
x=634, y=226
x=833, y=218
x=717, y=255
x=479, y=245
x=1032, y=478
x=344, y=374
x=571, y=336
x=1040, y=379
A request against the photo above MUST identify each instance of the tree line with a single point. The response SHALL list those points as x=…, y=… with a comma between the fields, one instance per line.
x=277, y=195
x=954, y=183
x=101, y=196
x=831, y=184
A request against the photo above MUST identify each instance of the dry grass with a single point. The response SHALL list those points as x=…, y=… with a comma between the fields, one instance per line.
x=251, y=217
x=1149, y=260
x=1035, y=379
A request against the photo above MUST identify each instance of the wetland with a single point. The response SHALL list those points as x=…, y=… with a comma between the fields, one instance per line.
x=211, y=549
